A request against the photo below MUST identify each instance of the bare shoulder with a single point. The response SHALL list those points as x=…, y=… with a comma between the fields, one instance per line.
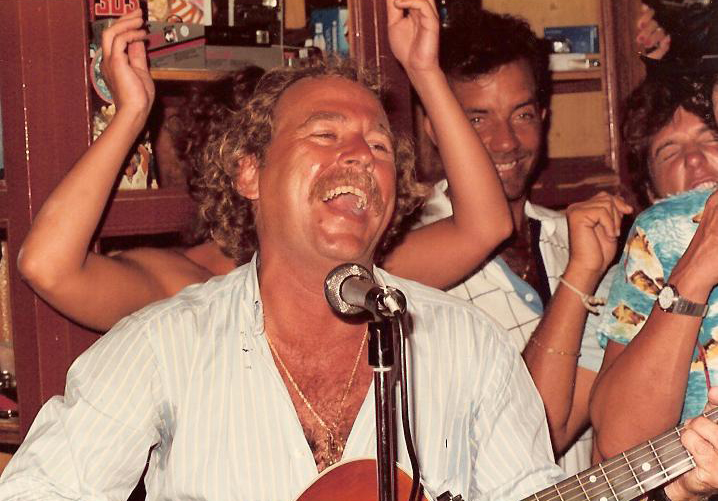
x=170, y=270
x=209, y=256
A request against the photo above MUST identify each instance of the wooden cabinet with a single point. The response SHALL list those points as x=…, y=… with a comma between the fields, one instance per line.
x=584, y=151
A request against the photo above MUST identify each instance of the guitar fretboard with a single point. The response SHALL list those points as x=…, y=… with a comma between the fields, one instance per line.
x=630, y=474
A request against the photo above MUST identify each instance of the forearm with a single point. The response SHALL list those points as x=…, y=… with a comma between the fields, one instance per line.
x=58, y=241
x=552, y=354
x=640, y=394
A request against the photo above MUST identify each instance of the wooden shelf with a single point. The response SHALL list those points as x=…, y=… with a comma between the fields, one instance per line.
x=566, y=82
x=188, y=75
x=593, y=74
x=148, y=212
x=10, y=431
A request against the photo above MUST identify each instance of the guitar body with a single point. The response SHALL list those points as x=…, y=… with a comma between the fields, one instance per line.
x=354, y=481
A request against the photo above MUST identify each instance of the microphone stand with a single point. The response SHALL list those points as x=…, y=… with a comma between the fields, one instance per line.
x=382, y=334
x=386, y=306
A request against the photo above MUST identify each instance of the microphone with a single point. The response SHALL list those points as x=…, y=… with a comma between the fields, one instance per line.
x=350, y=289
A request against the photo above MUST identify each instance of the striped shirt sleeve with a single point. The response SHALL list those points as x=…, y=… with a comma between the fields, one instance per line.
x=116, y=407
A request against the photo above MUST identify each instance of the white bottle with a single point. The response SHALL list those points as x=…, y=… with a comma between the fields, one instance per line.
x=319, y=41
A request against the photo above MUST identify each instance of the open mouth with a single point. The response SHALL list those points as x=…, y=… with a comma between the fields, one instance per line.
x=347, y=196
x=503, y=167
x=348, y=190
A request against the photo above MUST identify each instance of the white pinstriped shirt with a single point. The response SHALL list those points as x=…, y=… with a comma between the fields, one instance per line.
x=192, y=379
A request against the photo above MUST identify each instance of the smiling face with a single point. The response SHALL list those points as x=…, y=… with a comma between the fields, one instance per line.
x=327, y=186
x=683, y=155
x=503, y=108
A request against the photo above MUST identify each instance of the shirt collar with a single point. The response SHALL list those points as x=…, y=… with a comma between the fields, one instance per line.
x=546, y=216
x=250, y=296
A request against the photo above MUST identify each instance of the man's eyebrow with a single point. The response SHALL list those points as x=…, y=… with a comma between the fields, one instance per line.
x=324, y=115
x=662, y=147
x=529, y=102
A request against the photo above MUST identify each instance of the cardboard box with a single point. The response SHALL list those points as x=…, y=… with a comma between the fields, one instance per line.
x=179, y=45
x=234, y=57
x=334, y=26
x=170, y=45
x=580, y=39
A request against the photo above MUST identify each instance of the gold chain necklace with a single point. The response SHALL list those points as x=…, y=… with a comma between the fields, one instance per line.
x=335, y=447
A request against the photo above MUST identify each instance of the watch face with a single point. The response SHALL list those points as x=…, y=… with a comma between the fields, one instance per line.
x=666, y=297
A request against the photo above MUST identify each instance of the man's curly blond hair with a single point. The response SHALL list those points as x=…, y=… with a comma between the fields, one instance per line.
x=227, y=215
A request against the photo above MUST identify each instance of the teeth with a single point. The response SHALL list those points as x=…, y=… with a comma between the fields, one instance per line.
x=506, y=166
x=341, y=190
x=707, y=184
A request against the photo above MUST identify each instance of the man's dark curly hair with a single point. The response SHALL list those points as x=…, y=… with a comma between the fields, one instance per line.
x=477, y=42
x=650, y=107
x=248, y=132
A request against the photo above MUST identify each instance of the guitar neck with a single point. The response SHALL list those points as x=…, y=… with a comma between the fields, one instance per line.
x=630, y=474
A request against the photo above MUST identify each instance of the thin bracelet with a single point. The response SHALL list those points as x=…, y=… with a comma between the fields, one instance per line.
x=591, y=303
x=554, y=351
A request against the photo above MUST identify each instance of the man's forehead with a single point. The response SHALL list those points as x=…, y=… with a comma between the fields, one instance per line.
x=329, y=98
x=513, y=81
x=681, y=121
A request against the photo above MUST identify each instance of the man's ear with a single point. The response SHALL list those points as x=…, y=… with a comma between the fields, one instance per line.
x=247, y=181
x=429, y=129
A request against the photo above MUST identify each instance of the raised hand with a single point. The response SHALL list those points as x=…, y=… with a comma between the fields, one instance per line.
x=594, y=227
x=414, y=37
x=652, y=40
x=124, y=64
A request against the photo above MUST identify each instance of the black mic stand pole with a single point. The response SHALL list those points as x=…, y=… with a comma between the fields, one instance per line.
x=381, y=358
x=382, y=334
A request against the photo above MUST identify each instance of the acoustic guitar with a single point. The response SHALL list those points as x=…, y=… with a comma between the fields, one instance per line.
x=624, y=477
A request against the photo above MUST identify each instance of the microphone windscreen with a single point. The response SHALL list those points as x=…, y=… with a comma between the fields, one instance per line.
x=333, y=287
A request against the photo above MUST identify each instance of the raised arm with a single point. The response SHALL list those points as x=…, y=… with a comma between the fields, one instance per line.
x=442, y=253
x=641, y=387
x=552, y=352
x=54, y=259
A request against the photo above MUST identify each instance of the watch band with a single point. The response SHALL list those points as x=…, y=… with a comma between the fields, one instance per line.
x=685, y=307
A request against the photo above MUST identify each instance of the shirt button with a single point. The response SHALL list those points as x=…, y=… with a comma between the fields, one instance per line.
x=529, y=297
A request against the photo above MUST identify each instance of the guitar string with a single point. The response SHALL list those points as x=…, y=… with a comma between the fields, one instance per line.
x=589, y=490
x=575, y=481
x=589, y=495
x=588, y=487
x=620, y=460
